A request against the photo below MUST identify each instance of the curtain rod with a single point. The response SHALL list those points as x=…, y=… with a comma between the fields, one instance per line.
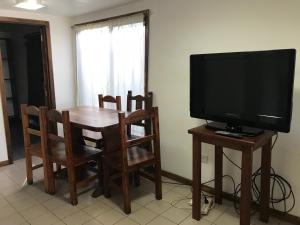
x=145, y=12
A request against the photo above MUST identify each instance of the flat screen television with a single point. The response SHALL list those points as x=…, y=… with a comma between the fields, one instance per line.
x=251, y=89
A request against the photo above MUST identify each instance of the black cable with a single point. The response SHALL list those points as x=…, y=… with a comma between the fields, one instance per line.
x=286, y=191
x=284, y=186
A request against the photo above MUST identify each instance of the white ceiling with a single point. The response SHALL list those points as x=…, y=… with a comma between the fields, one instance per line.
x=70, y=7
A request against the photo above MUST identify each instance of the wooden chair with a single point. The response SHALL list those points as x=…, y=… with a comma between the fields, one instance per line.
x=96, y=137
x=123, y=156
x=141, y=102
x=32, y=142
x=117, y=100
x=62, y=150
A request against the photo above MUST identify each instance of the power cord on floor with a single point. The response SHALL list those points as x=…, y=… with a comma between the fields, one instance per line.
x=286, y=191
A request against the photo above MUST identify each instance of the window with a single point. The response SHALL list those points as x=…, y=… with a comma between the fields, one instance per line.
x=111, y=59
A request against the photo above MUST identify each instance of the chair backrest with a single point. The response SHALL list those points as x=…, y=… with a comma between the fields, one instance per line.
x=149, y=138
x=54, y=117
x=110, y=99
x=141, y=102
x=30, y=113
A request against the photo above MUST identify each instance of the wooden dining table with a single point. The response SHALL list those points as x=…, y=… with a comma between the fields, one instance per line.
x=93, y=119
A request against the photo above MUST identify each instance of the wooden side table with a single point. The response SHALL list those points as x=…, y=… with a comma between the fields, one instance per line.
x=247, y=146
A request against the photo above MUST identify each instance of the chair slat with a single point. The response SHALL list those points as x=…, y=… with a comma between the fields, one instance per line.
x=110, y=99
x=139, y=141
x=137, y=116
x=32, y=110
x=34, y=131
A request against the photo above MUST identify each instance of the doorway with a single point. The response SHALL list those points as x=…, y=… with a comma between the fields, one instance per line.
x=25, y=75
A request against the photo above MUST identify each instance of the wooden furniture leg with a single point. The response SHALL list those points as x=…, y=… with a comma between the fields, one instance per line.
x=158, y=186
x=28, y=167
x=265, y=181
x=126, y=197
x=49, y=179
x=106, y=180
x=246, y=194
x=99, y=185
x=196, y=178
x=72, y=185
x=218, y=174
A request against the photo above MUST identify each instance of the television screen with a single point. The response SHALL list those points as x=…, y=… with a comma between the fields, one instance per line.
x=244, y=88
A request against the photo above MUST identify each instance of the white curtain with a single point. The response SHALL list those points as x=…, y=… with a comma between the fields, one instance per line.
x=110, y=59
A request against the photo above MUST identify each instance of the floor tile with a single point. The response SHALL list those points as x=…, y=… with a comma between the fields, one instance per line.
x=13, y=219
x=161, y=221
x=172, y=196
x=6, y=210
x=34, y=212
x=78, y=218
x=143, y=216
x=110, y=217
x=45, y=219
x=144, y=199
x=92, y=222
x=158, y=206
x=191, y=221
x=182, y=189
x=126, y=221
x=22, y=204
x=54, y=203
x=176, y=215
x=228, y=219
x=65, y=210
x=216, y=212
x=97, y=209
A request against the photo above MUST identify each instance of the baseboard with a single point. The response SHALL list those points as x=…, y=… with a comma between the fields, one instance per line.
x=273, y=212
x=4, y=163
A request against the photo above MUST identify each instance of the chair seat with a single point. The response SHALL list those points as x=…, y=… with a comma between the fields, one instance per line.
x=35, y=149
x=81, y=156
x=136, y=156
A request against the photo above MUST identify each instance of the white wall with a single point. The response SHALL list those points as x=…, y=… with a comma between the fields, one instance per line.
x=179, y=28
x=64, y=79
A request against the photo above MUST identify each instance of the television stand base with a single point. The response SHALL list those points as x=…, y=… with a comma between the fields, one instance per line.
x=242, y=130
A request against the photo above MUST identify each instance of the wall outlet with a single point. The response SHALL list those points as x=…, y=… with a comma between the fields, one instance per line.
x=204, y=158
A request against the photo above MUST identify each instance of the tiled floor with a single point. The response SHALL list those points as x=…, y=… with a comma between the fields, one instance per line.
x=21, y=204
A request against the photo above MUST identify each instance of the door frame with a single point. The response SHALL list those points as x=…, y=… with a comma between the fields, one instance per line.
x=48, y=74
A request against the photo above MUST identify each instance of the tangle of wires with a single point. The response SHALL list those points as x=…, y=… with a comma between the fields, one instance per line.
x=283, y=187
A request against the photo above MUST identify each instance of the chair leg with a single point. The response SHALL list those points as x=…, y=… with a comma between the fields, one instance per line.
x=49, y=180
x=158, y=186
x=126, y=197
x=72, y=186
x=29, y=168
x=99, y=185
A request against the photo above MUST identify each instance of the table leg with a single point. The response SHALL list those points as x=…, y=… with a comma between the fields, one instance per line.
x=246, y=194
x=265, y=181
x=218, y=174
x=196, y=178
